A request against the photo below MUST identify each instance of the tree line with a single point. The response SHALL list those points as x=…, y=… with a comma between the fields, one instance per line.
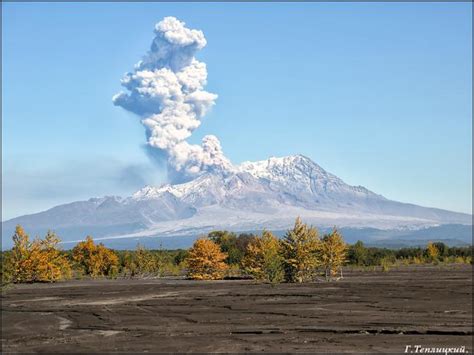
x=302, y=255
x=433, y=253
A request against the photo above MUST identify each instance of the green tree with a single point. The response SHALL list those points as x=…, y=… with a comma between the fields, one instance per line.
x=443, y=249
x=358, y=254
x=227, y=242
x=243, y=240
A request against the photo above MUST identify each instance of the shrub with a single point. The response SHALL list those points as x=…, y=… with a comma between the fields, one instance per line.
x=173, y=269
x=461, y=260
x=299, y=248
x=205, y=261
x=233, y=271
x=180, y=256
x=263, y=260
x=386, y=263
x=409, y=253
x=6, y=271
x=95, y=259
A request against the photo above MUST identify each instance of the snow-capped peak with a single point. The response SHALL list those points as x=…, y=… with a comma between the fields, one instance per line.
x=289, y=167
x=199, y=184
x=293, y=180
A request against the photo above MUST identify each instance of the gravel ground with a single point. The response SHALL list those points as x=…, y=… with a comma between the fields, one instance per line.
x=365, y=312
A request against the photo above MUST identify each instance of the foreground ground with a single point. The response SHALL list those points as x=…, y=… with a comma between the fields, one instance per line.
x=367, y=311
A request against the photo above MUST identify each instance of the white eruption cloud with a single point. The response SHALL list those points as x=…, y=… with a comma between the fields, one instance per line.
x=166, y=90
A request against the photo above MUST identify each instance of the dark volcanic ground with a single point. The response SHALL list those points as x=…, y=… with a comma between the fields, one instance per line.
x=366, y=311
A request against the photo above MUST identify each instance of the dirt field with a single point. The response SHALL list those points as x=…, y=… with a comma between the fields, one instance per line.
x=367, y=311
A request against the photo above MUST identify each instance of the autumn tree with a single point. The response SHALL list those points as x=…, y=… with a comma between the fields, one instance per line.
x=142, y=262
x=432, y=251
x=20, y=259
x=332, y=253
x=263, y=260
x=95, y=259
x=37, y=260
x=298, y=248
x=205, y=260
x=53, y=264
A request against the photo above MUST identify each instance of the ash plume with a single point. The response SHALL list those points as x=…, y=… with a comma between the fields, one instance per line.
x=166, y=90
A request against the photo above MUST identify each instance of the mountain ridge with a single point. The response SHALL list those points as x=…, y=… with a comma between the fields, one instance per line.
x=268, y=193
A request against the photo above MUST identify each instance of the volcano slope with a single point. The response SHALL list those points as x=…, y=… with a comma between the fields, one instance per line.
x=268, y=194
x=369, y=311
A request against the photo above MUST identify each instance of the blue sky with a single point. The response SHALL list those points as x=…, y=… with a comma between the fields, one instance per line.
x=377, y=93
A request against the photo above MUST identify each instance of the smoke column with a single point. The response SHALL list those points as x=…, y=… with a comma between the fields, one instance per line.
x=166, y=90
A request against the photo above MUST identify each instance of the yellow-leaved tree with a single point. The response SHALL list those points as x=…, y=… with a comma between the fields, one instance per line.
x=142, y=262
x=299, y=247
x=37, y=260
x=205, y=261
x=53, y=264
x=332, y=253
x=95, y=259
x=433, y=251
x=263, y=260
x=22, y=268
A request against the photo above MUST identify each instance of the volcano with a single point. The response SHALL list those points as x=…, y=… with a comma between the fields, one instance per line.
x=251, y=196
